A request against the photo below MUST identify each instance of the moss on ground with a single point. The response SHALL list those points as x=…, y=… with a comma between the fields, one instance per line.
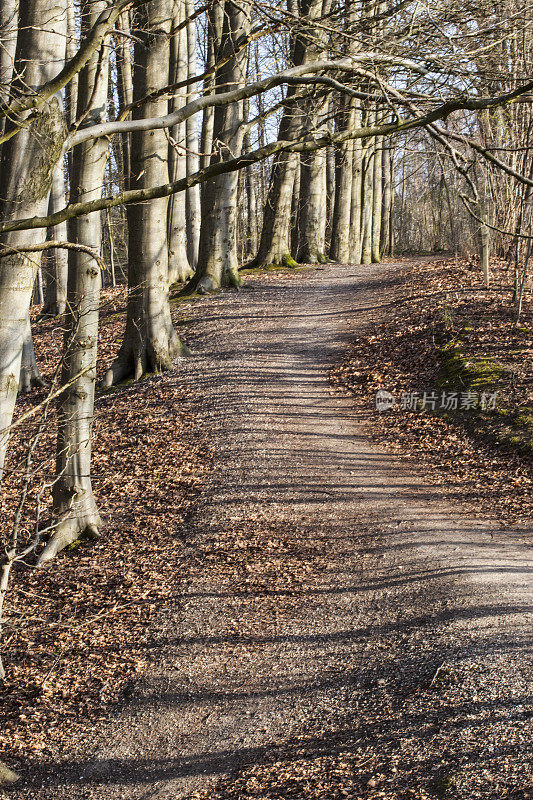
x=460, y=371
x=504, y=426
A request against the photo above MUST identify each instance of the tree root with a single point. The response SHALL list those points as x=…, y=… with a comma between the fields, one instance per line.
x=207, y=285
x=285, y=262
x=306, y=257
x=180, y=275
x=135, y=360
x=69, y=530
x=30, y=378
x=7, y=776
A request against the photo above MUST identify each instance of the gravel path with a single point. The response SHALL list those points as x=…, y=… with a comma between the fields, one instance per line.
x=343, y=631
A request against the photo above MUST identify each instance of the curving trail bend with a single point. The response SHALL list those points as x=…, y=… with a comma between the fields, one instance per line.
x=335, y=608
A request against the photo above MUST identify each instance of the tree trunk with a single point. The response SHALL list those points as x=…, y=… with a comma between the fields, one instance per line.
x=251, y=203
x=179, y=269
x=28, y=162
x=214, y=32
x=71, y=89
x=330, y=191
x=386, y=218
x=312, y=221
x=30, y=377
x=150, y=341
x=368, y=202
x=8, y=38
x=74, y=502
x=56, y=273
x=313, y=166
x=125, y=90
x=485, y=252
x=356, y=242
x=193, y=211
x=377, y=206
x=340, y=234
x=217, y=255
x=276, y=245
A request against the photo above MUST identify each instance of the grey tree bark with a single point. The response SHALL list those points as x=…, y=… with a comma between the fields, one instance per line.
x=71, y=90
x=312, y=222
x=193, y=211
x=56, y=271
x=377, y=204
x=312, y=218
x=276, y=244
x=8, y=39
x=388, y=198
x=150, y=342
x=340, y=234
x=74, y=502
x=30, y=376
x=367, y=202
x=28, y=162
x=217, y=255
x=356, y=242
x=179, y=269
x=125, y=89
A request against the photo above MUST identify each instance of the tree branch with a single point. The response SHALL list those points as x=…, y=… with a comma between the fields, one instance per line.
x=92, y=42
x=231, y=165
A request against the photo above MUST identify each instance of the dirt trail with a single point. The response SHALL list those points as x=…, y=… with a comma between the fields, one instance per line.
x=335, y=609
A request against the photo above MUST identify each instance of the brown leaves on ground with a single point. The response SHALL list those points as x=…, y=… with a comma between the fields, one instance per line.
x=79, y=630
x=473, y=454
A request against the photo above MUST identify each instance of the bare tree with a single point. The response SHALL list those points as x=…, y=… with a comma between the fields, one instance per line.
x=74, y=502
x=217, y=255
x=150, y=341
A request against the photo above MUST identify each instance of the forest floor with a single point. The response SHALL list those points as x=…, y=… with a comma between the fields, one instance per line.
x=286, y=607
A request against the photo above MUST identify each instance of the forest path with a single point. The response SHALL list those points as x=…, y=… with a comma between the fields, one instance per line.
x=339, y=619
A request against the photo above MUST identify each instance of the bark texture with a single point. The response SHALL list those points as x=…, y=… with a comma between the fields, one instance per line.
x=74, y=502
x=8, y=37
x=377, y=200
x=276, y=245
x=56, y=269
x=28, y=162
x=357, y=189
x=30, y=377
x=217, y=254
x=193, y=211
x=150, y=341
x=179, y=269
